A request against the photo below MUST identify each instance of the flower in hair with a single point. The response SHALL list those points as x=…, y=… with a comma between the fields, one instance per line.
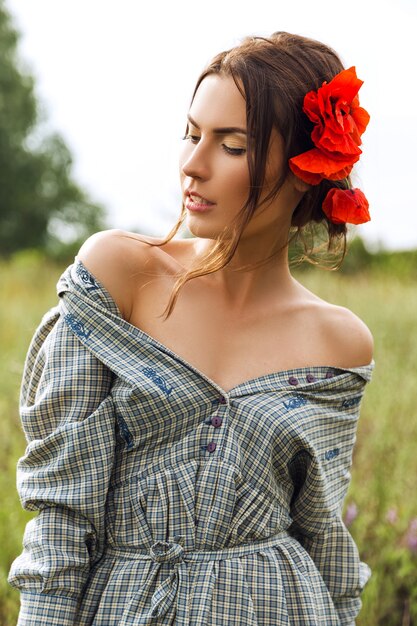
x=339, y=122
x=346, y=206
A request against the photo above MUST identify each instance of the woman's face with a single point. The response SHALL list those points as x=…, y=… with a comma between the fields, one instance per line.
x=213, y=164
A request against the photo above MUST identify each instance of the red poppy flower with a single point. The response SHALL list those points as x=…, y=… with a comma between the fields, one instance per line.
x=339, y=123
x=314, y=166
x=346, y=206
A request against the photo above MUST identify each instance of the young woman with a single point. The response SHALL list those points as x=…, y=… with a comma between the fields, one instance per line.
x=190, y=407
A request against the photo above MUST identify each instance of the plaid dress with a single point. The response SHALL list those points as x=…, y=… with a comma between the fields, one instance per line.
x=163, y=499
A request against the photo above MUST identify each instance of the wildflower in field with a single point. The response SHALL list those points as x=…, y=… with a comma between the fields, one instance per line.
x=392, y=515
x=411, y=536
x=351, y=513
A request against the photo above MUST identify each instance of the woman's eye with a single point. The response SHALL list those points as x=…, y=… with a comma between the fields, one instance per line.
x=192, y=138
x=233, y=151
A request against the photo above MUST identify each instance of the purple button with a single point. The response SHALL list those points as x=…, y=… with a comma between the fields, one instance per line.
x=329, y=374
x=292, y=380
x=310, y=378
x=222, y=400
x=211, y=446
x=216, y=421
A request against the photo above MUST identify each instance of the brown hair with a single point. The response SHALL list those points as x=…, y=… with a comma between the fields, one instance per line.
x=273, y=74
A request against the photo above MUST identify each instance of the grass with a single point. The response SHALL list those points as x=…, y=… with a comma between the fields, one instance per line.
x=384, y=475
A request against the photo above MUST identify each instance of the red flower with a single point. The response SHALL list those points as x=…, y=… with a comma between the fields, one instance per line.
x=339, y=123
x=346, y=206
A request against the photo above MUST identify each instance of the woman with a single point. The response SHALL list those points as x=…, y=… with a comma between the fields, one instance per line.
x=190, y=407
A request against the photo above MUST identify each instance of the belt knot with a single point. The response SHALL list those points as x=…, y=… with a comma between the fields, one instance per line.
x=166, y=552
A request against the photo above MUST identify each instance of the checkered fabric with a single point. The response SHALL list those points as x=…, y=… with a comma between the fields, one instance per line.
x=163, y=499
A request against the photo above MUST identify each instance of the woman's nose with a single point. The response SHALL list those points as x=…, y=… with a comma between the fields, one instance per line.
x=196, y=163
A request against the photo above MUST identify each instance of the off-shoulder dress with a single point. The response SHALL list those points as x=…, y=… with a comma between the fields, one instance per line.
x=164, y=499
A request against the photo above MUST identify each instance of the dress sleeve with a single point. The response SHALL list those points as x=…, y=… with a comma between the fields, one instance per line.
x=67, y=415
x=321, y=476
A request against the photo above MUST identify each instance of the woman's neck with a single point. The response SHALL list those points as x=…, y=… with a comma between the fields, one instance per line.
x=239, y=288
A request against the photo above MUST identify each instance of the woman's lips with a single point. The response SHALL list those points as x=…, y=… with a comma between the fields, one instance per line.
x=195, y=202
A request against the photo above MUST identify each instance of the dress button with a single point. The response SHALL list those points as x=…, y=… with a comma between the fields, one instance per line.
x=211, y=446
x=292, y=380
x=216, y=421
x=329, y=374
x=310, y=378
x=222, y=400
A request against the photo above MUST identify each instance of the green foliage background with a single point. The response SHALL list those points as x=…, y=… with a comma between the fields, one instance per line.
x=384, y=477
x=41, y=206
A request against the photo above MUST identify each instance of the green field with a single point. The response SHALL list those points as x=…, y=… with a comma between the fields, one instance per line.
x=382, y=497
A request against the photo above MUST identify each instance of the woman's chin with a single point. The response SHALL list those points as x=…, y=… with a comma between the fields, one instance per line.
x=198, y=229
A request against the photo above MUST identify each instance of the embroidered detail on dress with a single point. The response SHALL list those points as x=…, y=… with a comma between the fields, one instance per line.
x=347, y=404
x=294, y=402
x=332, y=454
x=157, y=379
x=86, y=278
x=125, y=432
x=76, y=326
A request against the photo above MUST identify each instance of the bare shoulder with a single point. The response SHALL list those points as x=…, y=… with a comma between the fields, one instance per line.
x=117, y=258
x=347, y=338
x=333, y=333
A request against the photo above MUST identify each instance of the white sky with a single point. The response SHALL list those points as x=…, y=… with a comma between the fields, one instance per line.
x=115, y=79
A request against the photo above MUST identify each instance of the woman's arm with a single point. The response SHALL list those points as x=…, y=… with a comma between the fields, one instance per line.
x=68, y=419
x=321, y=476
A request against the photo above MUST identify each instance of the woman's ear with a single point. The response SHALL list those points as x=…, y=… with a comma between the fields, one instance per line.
x=298, y=184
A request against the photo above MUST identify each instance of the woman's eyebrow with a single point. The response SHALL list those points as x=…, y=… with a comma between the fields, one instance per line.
x=227, y=130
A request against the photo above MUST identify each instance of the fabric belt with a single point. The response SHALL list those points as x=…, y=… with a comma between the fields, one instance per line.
x=174, y=590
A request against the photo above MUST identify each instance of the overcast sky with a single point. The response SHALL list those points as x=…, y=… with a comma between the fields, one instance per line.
x=115, y=79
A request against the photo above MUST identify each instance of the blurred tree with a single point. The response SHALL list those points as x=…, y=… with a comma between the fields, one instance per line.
x=40, y=205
